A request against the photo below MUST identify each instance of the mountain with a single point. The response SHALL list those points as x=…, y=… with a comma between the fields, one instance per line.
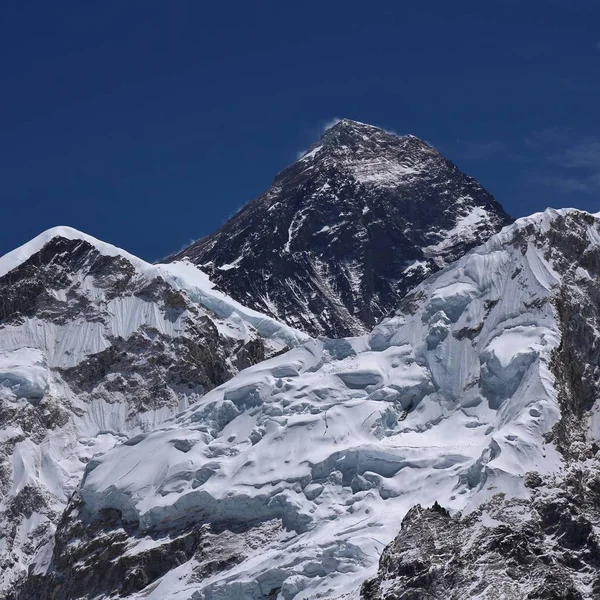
x=347, y=230
x=97, y=346
x=471, y=413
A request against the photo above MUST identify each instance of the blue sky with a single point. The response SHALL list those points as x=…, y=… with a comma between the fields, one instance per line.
x=147, y=124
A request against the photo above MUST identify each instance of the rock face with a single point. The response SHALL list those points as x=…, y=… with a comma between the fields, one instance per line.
x=347, y=230
x=478, y=397
x=97, y=346
x=545, y=547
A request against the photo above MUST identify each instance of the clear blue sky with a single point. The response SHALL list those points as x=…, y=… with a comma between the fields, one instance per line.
x=148, y=123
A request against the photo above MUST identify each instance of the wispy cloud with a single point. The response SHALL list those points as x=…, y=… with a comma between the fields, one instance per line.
x=572, y=161
x=556, y=136
x=583, y=154
x=319, y=131
x=567, y=184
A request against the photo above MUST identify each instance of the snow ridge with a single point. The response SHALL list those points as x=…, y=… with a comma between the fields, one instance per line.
x=19, y=255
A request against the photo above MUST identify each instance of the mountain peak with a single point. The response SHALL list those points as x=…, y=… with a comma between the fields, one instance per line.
x=349, y=128
x=351, y=125
x=359, y=141
x=19, y=255
x=347, y=229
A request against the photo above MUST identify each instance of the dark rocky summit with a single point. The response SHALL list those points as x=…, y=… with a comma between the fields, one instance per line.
x=347, y=230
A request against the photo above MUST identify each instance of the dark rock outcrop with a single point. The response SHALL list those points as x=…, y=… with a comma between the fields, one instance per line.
x=544, y=548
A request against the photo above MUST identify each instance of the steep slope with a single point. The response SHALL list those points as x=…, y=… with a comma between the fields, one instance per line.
x=288, y=480
x=97, y=345
x=347, y=230
x=545, y=545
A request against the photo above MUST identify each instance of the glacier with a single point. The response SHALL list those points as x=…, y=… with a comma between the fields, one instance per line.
x=288, y=480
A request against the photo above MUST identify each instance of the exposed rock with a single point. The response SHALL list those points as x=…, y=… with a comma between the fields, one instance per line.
x=546, y=547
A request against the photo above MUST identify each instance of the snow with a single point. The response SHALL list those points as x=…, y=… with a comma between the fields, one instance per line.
x=416, y=265
x=452, y=299
x=294, y=227
x=13, y=259
x=380, y=171
x=465, y=228
x=337, y=439
x=23, y=374
x=311, y=153
x=34, y=349
x=518, y=341
x=232, y=265
x=186, y=276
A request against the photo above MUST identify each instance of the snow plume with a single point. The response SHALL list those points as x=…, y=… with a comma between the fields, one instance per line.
x=328, y=124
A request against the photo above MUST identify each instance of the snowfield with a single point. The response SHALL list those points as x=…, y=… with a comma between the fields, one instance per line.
x=23, y=374
x=321, y=451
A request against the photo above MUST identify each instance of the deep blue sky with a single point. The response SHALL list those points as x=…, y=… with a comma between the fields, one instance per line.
x=148, y=123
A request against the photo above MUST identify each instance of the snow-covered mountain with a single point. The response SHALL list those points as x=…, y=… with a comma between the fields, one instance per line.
x=288, y=480
x=96, y=346
x=347, y=230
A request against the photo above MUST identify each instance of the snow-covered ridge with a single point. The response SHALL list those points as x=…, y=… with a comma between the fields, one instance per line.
x=182, y=275
x=450, y=400
x=97, y=345
x=543, y=222
x=186, y=276
x=19, y=255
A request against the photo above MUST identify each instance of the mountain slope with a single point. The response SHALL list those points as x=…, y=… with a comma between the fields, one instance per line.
x=545, y=544
x=288, y=480
x=97, y=345
x=347, y=230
